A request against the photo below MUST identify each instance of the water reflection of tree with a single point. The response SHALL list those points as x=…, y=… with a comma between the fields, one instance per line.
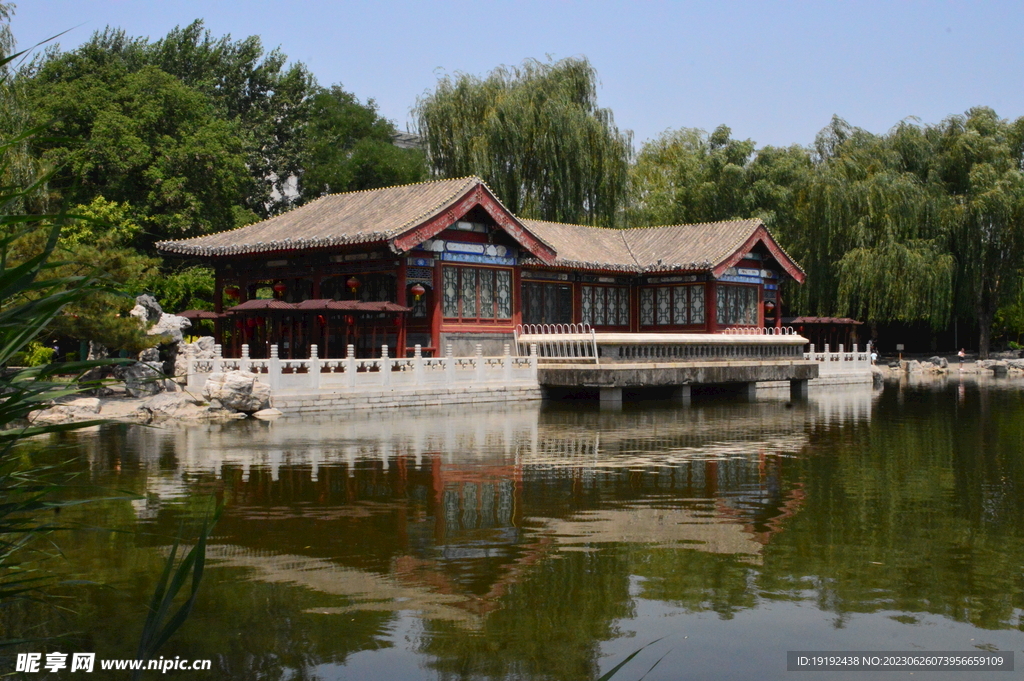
x=920, y=513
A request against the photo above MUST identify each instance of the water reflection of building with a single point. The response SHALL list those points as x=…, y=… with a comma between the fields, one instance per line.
x=445, y=509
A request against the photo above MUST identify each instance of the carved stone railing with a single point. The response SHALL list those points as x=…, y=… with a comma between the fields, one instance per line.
x=841, y=362
x=315, y=374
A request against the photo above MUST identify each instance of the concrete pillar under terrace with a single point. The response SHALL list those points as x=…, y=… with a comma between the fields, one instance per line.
x=798, y=389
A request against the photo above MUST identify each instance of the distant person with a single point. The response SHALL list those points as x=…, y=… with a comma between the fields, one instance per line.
x=874, y=356
x=960, y=356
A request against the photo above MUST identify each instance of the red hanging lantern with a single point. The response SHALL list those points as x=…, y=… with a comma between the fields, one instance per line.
x=232, y=292
x=321, y=320
x=769, y=307
x=417, y=291
x=280, y=287
x=353, y=284
x=350, y=320
x=398, y=320
x=238, y=324
x=250, y=322
x=262, y=321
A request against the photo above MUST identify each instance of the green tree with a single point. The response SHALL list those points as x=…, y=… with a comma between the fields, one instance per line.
x=536, y=134
x=977, y=162
x=870, y=236
x=687, y=176
x=146, y=139
x=347, y=146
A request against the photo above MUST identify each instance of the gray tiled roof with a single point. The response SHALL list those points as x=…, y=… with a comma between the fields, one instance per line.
x=373, y=215
x=645, y=249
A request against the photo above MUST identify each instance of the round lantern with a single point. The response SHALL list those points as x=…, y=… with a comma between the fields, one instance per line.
x=280, y=287
x=353, y=284
x=769, y=307
x=321, y=320
x=417, y=291
x=350, y=320
x=232, y=292
x=250, y=322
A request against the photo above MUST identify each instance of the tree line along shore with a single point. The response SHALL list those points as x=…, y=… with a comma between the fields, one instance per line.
x=918, y=231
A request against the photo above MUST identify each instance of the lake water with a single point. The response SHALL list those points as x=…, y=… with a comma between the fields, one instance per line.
x=551, y=541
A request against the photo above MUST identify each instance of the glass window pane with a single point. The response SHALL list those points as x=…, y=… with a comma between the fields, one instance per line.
x=564, y=315
x=600, y=307
x=451, y=292
x=550, y=304
x=663, y=309
x=587, y=305
x=623, y=307
x=486, y=293
x=679, y=305
x=504, y=294
x=696, y=304
x=468, y=295
x=646, y=306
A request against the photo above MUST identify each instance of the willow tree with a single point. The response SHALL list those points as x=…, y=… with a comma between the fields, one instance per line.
x=873, y=243
x=689, y=176
x=536, y=134
x=977, y=162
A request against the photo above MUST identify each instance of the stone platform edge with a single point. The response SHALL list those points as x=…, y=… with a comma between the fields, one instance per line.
x=841, y=379
x=340, y=401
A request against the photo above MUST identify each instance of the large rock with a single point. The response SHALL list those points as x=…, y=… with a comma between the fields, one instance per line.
x=67, y=410
x=146, y=309
x=143, y=378
x=911, y=366
x=939, y=361
x=878, y=374
x=200, y=349
x=238, y=390
x=181, y=407
x=170, y=327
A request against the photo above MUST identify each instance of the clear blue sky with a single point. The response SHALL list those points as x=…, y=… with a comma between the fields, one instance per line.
x=774, y=72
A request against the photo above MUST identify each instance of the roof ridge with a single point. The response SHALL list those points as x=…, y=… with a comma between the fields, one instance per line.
x=573, y=224
x=693, y=224
x=399, y=186
x=318, y=199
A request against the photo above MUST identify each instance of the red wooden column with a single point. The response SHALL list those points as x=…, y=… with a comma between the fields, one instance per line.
x=400, y=298
x=436, y=313
x=517, y=296
x=711, y=304
x=778, y=304
x=218, y=306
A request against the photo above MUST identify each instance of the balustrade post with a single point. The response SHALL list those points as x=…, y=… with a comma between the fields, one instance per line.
x=417, y=364
x=478, y=363
x=243, y=363
x=218, y=355
x=350, y=365
x=274, y=368
x=314, y=368
x=385, y=366
x=506, y=365
x=449, y=365
x=533, y=361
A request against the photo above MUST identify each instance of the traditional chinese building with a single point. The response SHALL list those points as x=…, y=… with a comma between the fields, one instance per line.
x=445, y=262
